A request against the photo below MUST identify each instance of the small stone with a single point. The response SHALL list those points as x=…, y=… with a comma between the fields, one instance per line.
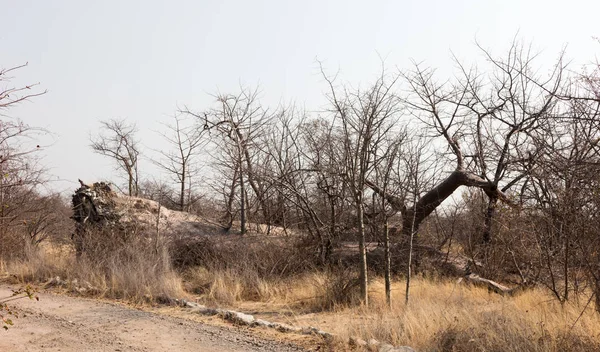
x=355, y=341
x=209, y=311
x=309, y=330
x=260, y=322
x=384, y=347
x=373, y=343
x=238, y=317
x=324, y=334
x=284, y=327
x=190, y=304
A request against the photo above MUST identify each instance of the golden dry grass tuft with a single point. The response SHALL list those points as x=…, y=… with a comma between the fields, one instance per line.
x=133, y=274
x=233, y=286
x=450, y=316
x=441, y=315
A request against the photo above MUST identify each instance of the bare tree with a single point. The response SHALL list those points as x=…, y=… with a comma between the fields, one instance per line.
x=20, y=172
x=239, y=120
x=364, y=117
x=562, y=192
x=383, y=176
x=186, y=142
x=117, y=141
x=486, y=123
x=9, y=95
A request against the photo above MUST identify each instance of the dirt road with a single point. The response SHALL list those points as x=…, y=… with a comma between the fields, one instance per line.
x=62, y=323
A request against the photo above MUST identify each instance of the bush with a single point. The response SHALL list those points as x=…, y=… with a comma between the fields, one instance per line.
x=268, y=258
x=337, y=289
x=129, y=266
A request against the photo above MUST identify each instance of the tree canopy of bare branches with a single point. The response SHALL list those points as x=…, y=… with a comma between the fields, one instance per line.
x=117, y=141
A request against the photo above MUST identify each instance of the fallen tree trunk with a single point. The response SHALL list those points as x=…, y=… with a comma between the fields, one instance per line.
x=492, y=285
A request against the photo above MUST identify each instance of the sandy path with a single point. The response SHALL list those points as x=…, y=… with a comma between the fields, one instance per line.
x=62, y=323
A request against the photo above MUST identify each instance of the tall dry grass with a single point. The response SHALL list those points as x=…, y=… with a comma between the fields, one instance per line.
x=441, y=315
x=451, y=316
x=138, y=272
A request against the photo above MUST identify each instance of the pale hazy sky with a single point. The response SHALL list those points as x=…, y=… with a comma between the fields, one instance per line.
x=141, y=59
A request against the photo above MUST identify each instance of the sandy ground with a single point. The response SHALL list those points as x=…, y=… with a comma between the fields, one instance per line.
x=63, y=323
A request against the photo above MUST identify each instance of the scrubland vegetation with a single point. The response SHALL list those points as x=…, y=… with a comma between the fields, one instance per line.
x=365, y=219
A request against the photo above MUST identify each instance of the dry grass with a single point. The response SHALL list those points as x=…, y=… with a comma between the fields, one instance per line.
x=232, y=286
x=447, y=316
x=441, y=315
x=131, y=274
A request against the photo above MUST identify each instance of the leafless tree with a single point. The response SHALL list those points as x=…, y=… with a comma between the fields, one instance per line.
x=10, y=95
x=386, y=159
x=364, y=117
x=486, y=123
x=20, y=172
x=180, y=163
x=117, y=141
x=238, y=120
x=562, y=190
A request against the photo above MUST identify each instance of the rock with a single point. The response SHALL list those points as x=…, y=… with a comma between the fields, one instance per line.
x=309, y=330
x=355, y=341
x=238, y=317
x=261, y=323
x=55, y=281
x=324, y=334
x=284, y=327
x=372, y=343
x=385, y=347
x=207, y=311
x=190, y=304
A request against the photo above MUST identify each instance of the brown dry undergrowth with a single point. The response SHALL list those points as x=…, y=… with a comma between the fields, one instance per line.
x=441, y=316
x=132, y=275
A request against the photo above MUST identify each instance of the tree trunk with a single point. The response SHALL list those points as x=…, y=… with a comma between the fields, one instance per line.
x=597, y=293
x=254, y=184
x=413, y=217
x=489, y=217
x=130, y=183
x=182, y=188
x=363, y=254
x=413, y=229
x=230, y=199
x=242, y=204
x=388, y=280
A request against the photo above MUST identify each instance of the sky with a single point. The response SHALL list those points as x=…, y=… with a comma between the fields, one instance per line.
x=141, y=60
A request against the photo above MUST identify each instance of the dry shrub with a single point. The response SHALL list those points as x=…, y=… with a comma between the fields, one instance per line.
x=335, y=290
x=266, y=257
x=41, y=263
x=313, y=291
x=473, y=339
x=188, y=253
x=13, y=245
x=447, y=316
x=231, y=286
x=130, y=266
x=228, y=269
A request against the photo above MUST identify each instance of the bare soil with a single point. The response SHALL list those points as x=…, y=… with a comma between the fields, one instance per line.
x=64, y=323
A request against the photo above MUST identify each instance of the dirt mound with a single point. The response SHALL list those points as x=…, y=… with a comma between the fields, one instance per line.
x=98, y=205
